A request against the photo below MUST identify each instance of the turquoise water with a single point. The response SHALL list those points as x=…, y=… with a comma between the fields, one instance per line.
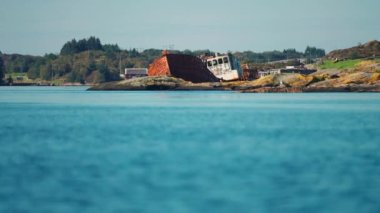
x=70, y=150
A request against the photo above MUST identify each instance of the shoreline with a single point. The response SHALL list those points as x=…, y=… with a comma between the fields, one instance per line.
x=44, y=85
x=356, y=89
x=175, y=84
x=271, y=84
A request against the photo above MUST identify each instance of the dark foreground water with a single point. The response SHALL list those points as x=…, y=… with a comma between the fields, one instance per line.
x=69, y=150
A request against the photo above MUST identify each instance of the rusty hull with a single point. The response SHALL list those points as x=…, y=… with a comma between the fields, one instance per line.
x=187, y=67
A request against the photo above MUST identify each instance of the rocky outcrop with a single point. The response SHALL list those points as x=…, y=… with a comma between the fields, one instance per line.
x=278, y=89
x=360, y=79
x=346, y=79
x=156, y=83
x=345, y=88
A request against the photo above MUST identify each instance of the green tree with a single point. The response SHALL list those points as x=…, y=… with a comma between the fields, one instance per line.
x=34, y=72
x=71, y=77
x=74, y=46
x=35, y=67
x=67, y=68
x=25, y=65
x=104, y=72
x=50, y=56
x=9, y=80
x=98, y=77
x=2, y=69
x=46, y=72
x=81, y=46
x=133, y=53
x=69, y=47
x=313, y=52
x=111, y=48
x=91, y=66
x=94, y=44
x=292, y=54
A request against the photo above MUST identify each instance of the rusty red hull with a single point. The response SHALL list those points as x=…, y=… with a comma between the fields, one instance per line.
x=187, y=67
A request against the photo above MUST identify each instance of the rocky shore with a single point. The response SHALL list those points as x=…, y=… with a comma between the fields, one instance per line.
x=363, y=78
x=288, y=84
x=156, y=83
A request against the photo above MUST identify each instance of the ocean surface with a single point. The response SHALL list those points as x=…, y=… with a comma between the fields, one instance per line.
x=65, y=149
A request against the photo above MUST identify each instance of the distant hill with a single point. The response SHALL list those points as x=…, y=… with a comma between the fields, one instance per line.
x=366, y=50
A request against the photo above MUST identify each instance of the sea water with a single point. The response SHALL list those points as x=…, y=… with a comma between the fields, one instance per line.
x=65, y=149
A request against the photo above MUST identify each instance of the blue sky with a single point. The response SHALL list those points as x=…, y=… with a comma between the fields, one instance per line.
x=42, y=26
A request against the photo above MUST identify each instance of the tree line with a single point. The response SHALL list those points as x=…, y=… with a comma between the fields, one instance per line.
x=310, y=53
x=74, y=46
x=2, y=70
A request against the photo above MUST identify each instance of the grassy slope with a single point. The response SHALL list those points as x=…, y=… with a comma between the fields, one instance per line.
x=347, y=64
x=14, y=75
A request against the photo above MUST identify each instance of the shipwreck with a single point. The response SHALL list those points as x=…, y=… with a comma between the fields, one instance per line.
x=187, y=67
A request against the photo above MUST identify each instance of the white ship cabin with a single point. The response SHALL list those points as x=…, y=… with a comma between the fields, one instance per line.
x=225, y=67
x=135, y=72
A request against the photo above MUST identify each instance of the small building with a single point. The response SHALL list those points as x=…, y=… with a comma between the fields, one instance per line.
x=290, y=67
x=269, y=72
x=187, y=67
x=135, y=72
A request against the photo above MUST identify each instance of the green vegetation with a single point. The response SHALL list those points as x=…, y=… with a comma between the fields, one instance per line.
x=346, y=64
x=16, y=74
x=1, y=69
x=313, y=52
x=90, y=61
x=252, y=57
x=74, y=46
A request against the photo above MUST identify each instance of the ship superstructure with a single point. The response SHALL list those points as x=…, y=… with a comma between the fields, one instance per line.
x=225, y=67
